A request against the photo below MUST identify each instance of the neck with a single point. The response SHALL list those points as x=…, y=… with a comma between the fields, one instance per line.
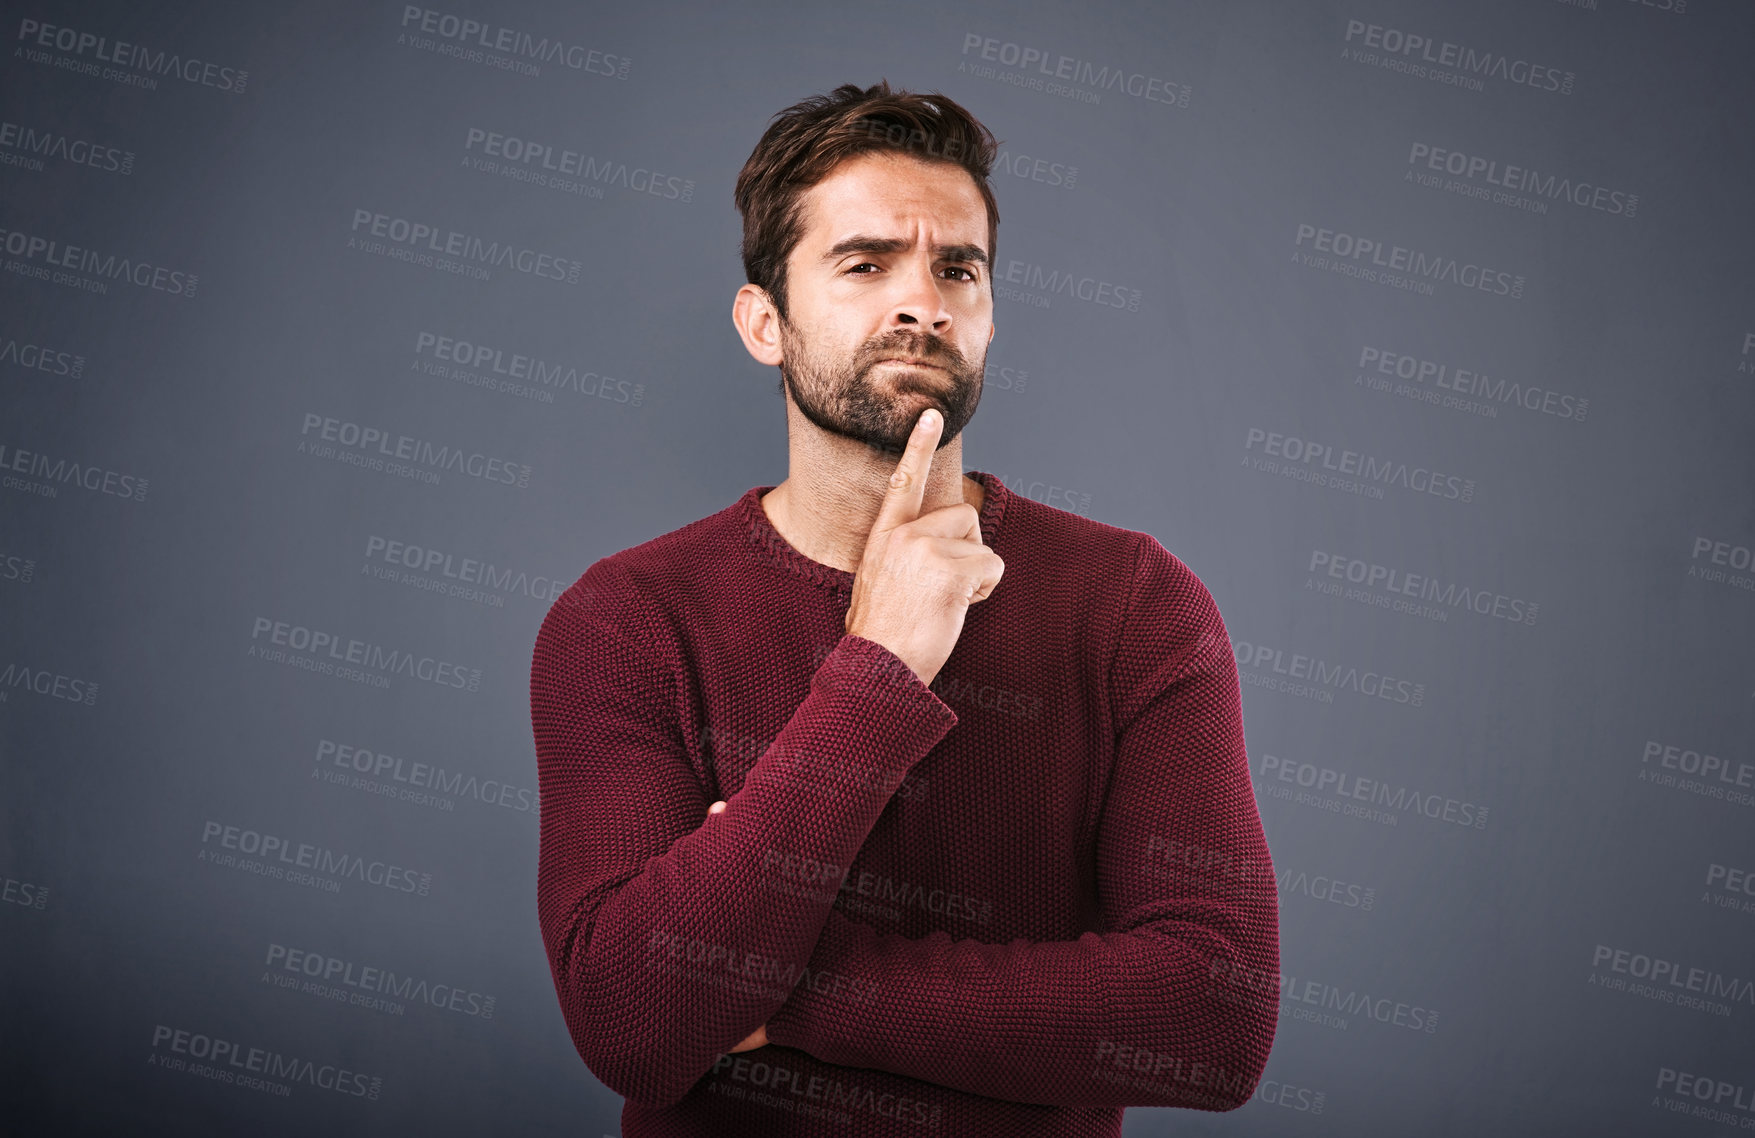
x=834, y=486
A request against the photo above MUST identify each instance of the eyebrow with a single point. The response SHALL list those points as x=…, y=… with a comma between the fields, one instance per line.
x=861, y=243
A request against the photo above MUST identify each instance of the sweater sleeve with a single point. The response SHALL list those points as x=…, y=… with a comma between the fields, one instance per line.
x=672, y=935
x=1174, y=1001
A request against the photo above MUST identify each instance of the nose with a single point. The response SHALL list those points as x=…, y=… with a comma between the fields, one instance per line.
x=919, y=303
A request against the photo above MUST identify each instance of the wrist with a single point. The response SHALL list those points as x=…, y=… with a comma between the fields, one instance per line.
x=790, y=1026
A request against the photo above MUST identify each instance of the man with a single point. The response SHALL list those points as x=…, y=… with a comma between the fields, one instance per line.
x=886, y=800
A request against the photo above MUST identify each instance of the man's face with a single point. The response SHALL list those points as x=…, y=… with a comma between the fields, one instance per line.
x=892, y=263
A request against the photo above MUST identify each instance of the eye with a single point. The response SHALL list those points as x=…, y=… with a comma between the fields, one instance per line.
x=862, y=265
x=969, y=275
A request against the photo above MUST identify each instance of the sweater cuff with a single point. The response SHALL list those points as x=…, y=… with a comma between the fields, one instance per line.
x=867, y=671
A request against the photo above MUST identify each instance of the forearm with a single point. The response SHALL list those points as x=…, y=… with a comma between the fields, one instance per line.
x=1149, y=1017
x=662, y=970
x=1175, y=1000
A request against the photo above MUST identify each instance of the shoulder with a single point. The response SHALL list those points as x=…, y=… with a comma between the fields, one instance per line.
x=1154, y=616
x=618, y=622
x=626, y=591
x=1126, y=570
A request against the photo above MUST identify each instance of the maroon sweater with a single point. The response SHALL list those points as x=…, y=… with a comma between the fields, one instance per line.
x=1015, y=902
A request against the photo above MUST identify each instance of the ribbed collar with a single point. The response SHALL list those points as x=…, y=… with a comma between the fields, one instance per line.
x=775, y=550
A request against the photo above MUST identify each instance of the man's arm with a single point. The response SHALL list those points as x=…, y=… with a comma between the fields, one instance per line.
x=670, y=941
x=1175, y=1001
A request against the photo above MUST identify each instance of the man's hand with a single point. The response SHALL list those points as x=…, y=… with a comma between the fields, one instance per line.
x=755, y=1039
x=758, y=1037
x=920, y=572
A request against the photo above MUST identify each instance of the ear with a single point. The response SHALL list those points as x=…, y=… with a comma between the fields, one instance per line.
x=752, y=311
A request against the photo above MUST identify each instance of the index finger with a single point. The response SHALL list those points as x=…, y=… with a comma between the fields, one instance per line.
x=901, y=502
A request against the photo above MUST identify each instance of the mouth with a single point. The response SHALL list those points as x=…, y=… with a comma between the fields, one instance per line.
x=913, y=362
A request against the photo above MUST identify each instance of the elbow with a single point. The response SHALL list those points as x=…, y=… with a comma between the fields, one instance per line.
x=630, y=1045
x=1218, y=1073
x=614, y=1034
x=1244, y=1003
x=633, y=1037
x=1244, y=1065
x=643, y=1084
x=1221, y=1068
x=646, y=1075
x=1240, y=1054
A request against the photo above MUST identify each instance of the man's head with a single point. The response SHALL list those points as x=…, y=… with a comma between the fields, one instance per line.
x=868, y=233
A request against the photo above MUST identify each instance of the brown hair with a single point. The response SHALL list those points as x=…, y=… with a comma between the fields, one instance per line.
x=807, y=140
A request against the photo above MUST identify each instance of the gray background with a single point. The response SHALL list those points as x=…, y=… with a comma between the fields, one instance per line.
x=119, y=922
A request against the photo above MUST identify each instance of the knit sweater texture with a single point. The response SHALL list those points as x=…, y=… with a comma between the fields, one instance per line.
x=1013, y=902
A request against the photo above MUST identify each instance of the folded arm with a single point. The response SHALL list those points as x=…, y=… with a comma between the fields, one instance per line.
x=1175, y=1001
x=670, y=941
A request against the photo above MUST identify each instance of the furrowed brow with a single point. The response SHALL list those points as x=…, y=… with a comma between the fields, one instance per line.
x=860, y=243
x=973, y=253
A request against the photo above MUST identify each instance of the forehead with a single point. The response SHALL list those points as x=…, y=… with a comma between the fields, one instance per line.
x=897, y=194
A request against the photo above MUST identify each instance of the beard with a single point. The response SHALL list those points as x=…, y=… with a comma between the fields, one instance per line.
x=859, y=399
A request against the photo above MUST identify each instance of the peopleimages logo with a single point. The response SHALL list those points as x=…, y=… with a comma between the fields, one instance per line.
x=42, y=681
x=1465, y=389
x=1322, y=887
x=1397, y=266
x=46, y=258
x=26, y=894
x=448, y=250
x=410, y=779
x=1707, y=1097
x=1351, y=471
x=1359, y=797
x=1059, y=175
x=1316, y=1001
x=1442, y=61
x=1045, y=282
x=405, y=455
x=282, y=642
x=1673, y=7
x=371, y=987
x=1725, y=882
x=133, y=64
x=508, y=48
x=478, y=364
x=1723, y=562
x=258, y=1068
x=790, y=1091
x=1067, y=76
x=54, y=473
x=1048, y=493
x=454, y=575
x=301, y=863
x=27, y=146
x=1262, y=665
x=1168, y=1072
x=543, y=164
x=1505, y=184
x=40, y=357
x=1190, y=863
x=1668, y=982
x=1704, y=774
x=1413, y=593
x=16, y=568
